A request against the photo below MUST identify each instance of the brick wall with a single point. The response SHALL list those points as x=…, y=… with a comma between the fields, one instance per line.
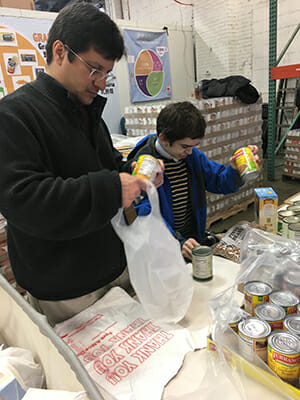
x=231, y=36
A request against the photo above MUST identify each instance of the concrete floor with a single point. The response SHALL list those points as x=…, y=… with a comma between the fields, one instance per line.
x=284, y=187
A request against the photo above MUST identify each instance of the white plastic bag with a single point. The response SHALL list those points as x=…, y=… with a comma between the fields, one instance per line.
x=157, y=270
x=20, y=363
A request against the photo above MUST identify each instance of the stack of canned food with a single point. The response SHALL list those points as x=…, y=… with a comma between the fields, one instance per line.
x=272, y=331
x=289, y=221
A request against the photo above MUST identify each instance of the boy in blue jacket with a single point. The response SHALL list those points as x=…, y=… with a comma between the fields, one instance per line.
x=188, y=173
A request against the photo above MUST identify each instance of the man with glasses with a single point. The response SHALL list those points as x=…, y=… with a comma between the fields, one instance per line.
x=188, y=173
x=61, y=180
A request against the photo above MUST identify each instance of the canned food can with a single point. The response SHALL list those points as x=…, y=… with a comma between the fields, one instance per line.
x=291, y=281
x=298, y=308
x=294, y=232
x=146, y=167
x=253, y=333
x=272, y=313
x=246, y=164
x=295, y=208
x=286, y=221
x=286, y=299
x=284, y=356
x=255, y=292
x=280, y=215
x=291, y=323
x=202, y=263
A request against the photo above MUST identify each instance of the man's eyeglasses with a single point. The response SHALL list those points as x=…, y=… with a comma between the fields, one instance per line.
x=95, y=73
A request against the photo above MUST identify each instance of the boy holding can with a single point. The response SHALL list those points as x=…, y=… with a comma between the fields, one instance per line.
x=188, y=173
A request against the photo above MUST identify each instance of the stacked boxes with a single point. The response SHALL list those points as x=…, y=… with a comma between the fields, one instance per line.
x=292, y=154
x=230, y=125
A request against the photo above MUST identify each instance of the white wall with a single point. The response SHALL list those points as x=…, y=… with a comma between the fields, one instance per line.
x=231, y=35
x=180, y=59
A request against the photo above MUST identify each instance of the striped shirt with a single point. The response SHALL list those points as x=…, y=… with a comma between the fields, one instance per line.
x=178, y=175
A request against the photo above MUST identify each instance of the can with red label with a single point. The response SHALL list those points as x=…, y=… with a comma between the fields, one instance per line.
x=272, y=313
x=284, y=356
x=291, y=323
x=246, y=164
x=286, y=299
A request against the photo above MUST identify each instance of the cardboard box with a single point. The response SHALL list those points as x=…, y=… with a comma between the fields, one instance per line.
x=266, y=378
x=266, y=204
x=23, y=4
x=10, y=389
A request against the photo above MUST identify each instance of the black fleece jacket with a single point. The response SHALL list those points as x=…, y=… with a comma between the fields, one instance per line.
x=59, y=190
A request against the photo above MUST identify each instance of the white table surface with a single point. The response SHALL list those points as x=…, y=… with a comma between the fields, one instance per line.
x=201, y=376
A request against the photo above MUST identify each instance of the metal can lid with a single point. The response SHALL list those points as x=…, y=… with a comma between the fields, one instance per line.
x=294, y=208
x=257, y=288
x=269, y=312
x=254, y=328
x=293, y=219
x=292, y=277
x=295, y=227
x=292, y=323
x=284, y=298
x=284, y=342
x=286, y=213
x=201, y=251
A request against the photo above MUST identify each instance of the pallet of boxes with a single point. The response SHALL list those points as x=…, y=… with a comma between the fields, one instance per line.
x=257, y=321
x=231, y=125
x=291, y=167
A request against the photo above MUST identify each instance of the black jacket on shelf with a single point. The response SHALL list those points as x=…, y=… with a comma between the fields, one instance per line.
x=235, y=86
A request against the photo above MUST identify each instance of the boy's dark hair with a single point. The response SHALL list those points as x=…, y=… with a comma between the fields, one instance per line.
x=82, y=26
x=180, y=120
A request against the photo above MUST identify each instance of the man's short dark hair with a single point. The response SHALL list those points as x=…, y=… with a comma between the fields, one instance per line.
x=83, y=26
x=180, y=120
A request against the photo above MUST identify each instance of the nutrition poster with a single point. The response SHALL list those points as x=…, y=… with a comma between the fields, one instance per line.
x=23, y=55
x=148, y=65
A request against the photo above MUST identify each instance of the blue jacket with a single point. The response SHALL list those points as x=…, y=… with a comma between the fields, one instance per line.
x=206, y=175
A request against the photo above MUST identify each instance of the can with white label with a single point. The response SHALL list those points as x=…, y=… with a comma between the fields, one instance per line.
x=146, y=167
x=294, y=232
x=280, y=215
x=253, y=333
x=202, y=263
x=286, y=221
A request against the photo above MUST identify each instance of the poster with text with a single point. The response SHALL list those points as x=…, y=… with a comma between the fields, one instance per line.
x=148, y=65
x=23, y=55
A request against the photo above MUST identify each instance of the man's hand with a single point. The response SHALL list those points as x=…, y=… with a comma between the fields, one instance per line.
x=254, y=150
x=131, y=188
x=188, y=247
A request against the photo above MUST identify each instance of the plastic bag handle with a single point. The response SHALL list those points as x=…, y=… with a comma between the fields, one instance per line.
x=153, y=199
